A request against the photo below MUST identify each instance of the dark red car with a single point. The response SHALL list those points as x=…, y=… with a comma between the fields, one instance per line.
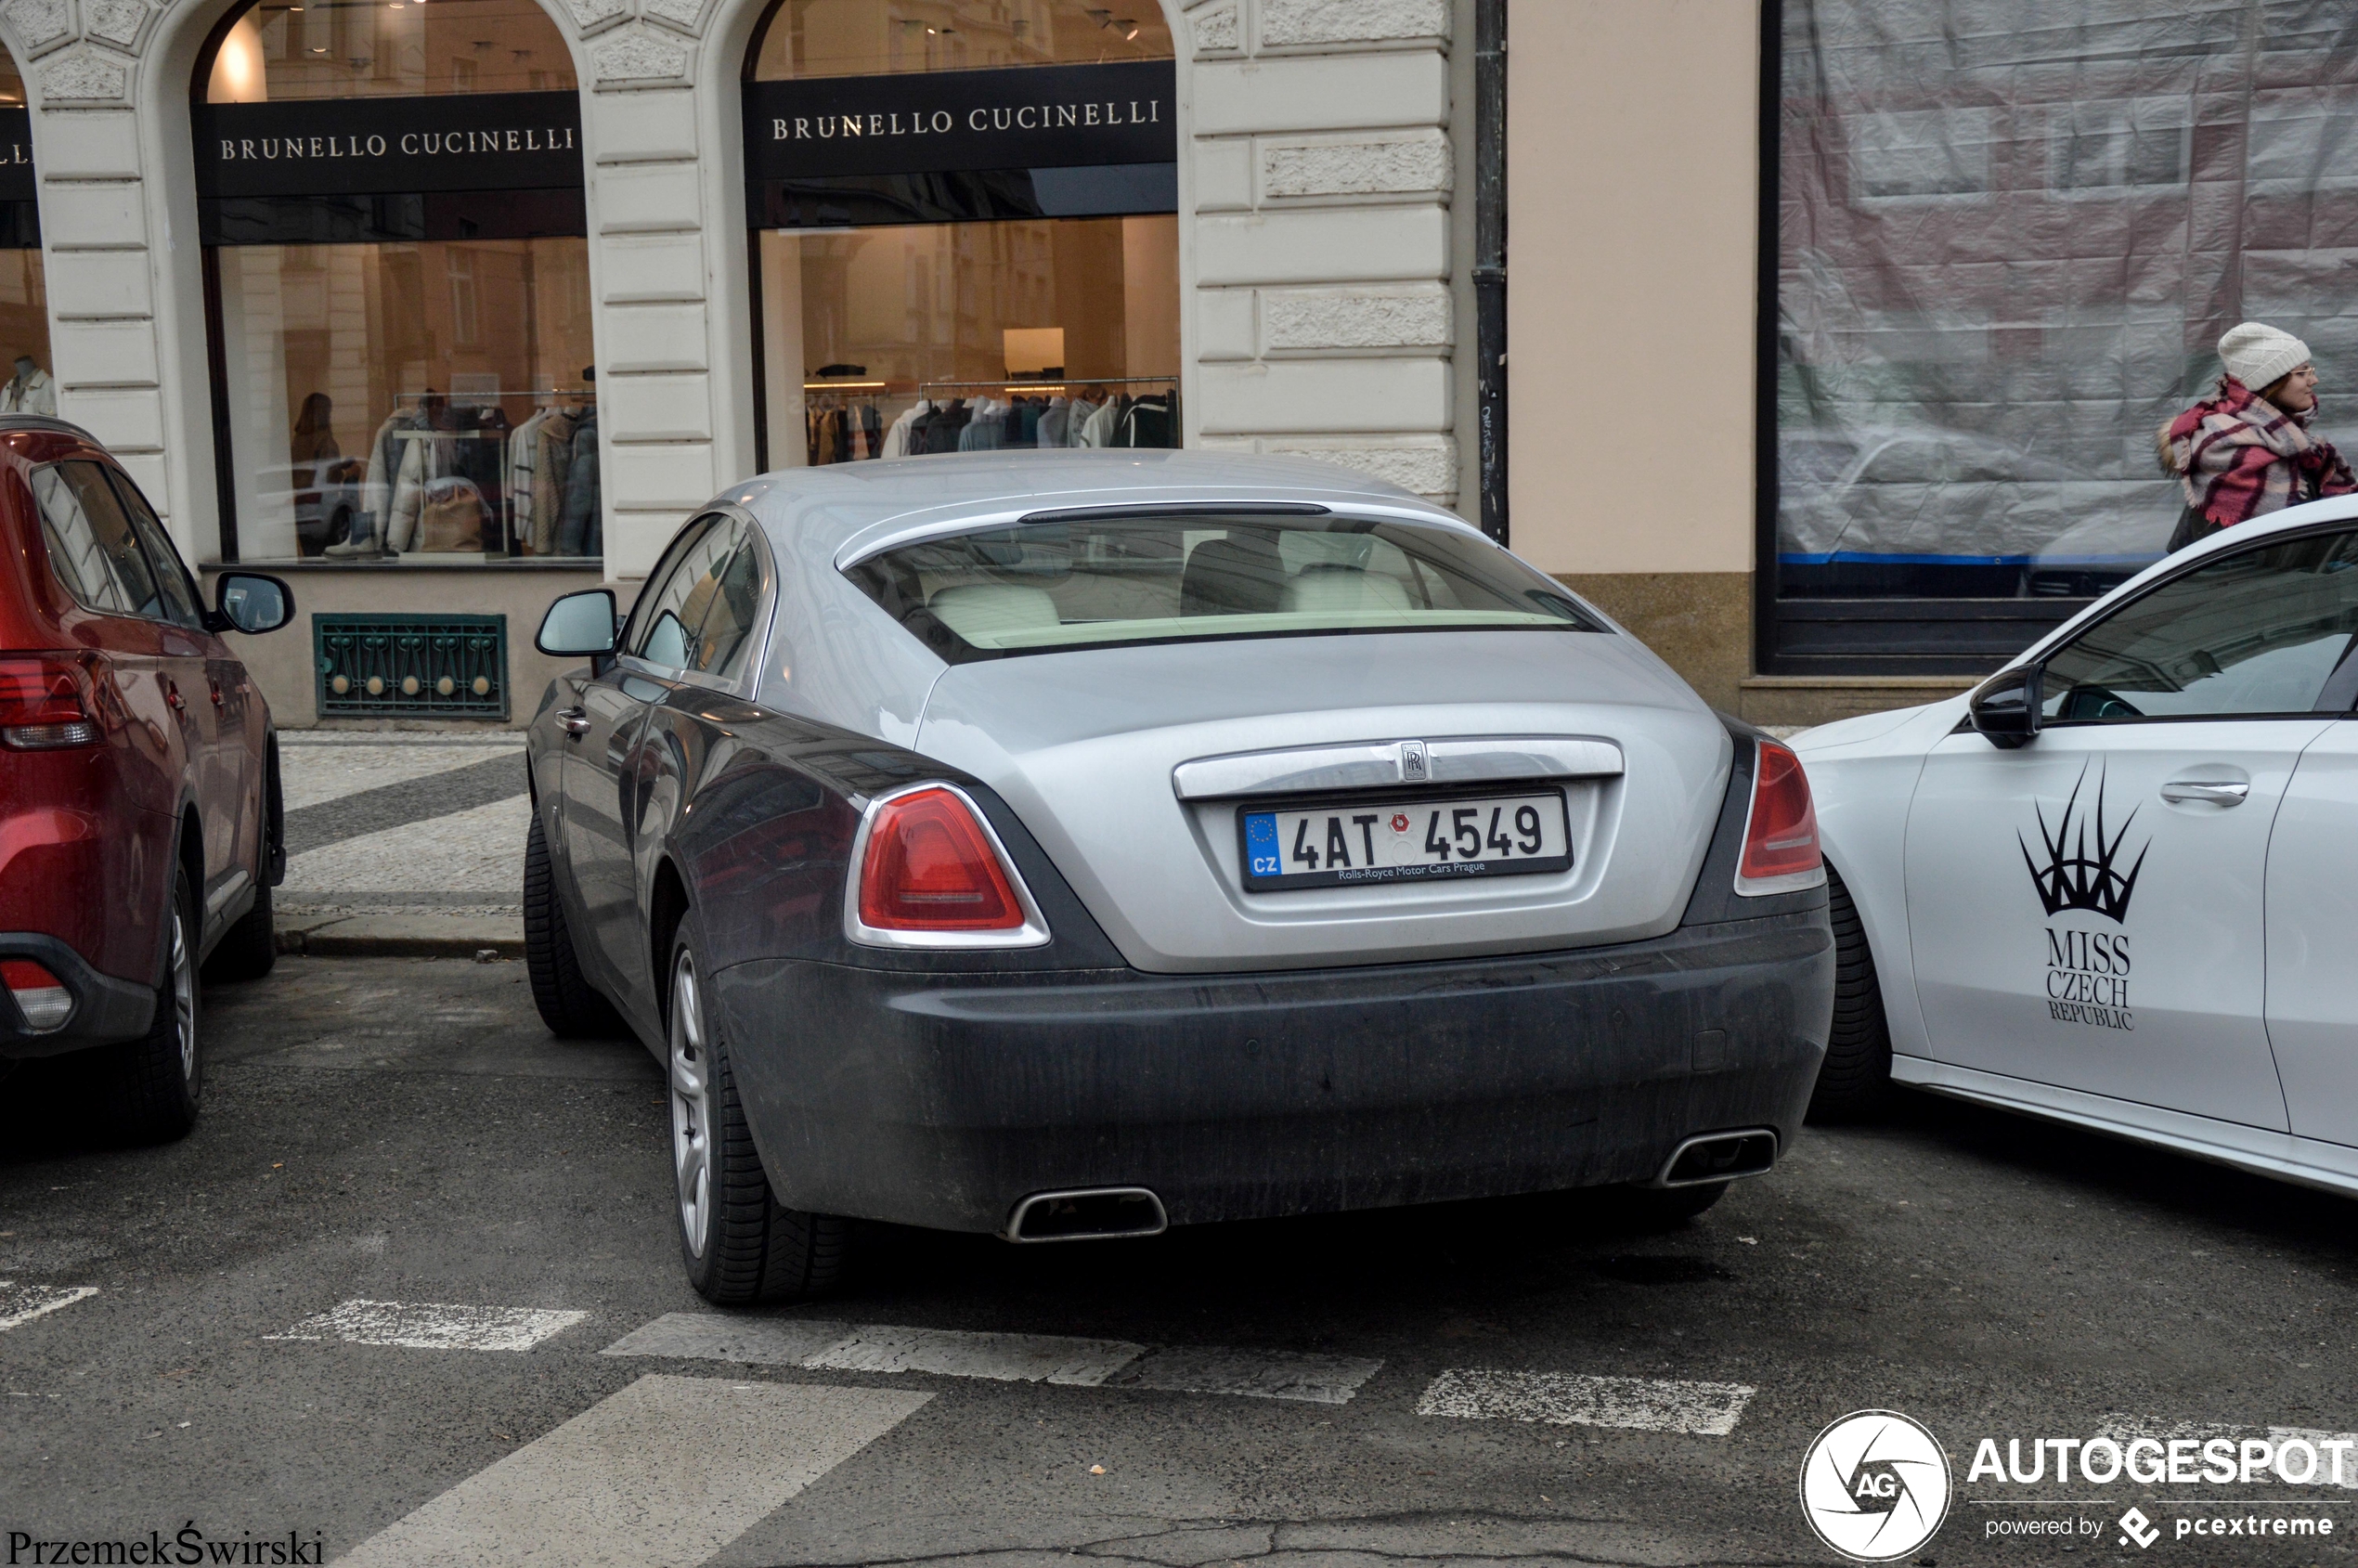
x=139, y=807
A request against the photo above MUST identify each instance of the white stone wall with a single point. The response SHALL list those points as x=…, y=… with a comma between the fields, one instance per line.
x=1315, y=250
x=1320, y=265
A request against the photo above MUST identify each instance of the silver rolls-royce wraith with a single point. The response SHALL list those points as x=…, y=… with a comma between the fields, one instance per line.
x=1074, y=844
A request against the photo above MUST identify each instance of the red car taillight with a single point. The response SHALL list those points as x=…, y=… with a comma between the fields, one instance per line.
x=39, y=995
x=1781, y=836
x=50, y=701
x=930, y=867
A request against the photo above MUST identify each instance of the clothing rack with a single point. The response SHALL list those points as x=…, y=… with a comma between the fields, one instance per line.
x=592, y=392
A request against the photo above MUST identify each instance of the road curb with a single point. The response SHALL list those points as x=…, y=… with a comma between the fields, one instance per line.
x=400, y=936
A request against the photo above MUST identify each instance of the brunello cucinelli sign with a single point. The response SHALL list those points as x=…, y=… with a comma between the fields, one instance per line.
x=942, y=122
x=458, y=141
x=16, y=155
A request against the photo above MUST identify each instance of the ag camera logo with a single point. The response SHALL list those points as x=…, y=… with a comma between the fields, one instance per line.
x=1874, y=1485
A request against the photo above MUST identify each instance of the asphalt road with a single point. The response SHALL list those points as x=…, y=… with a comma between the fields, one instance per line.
x=404, y=1131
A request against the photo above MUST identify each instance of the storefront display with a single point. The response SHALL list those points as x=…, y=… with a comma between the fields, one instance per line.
x=24, y=303
x=399, y=298
x=964, y=228
x=2002, y=265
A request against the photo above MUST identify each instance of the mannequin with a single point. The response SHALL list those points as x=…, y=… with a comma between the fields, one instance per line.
x=31, y=392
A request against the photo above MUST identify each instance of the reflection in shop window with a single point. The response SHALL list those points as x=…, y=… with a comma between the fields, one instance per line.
x=881, y=37
x=402, y=340
x=2019, y=270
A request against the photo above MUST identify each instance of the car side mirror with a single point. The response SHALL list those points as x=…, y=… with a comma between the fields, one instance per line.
x=250, y=603
x=2004, y=708
x=579, y=623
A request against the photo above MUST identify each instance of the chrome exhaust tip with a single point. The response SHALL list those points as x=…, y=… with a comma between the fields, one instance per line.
x=1719, y=1156
x=1096, y=1213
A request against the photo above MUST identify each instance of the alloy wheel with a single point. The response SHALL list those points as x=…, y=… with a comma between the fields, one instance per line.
x=691, y=1106
x=184, y=997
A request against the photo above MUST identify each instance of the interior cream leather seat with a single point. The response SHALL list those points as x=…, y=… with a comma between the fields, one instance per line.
x=1342, y=591
x=980, y=611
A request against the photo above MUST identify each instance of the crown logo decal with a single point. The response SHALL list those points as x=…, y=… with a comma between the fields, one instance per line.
x=2074, y=877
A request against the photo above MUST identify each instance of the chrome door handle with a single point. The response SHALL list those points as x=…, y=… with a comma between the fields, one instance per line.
x=573, y=722
x=2179, y=792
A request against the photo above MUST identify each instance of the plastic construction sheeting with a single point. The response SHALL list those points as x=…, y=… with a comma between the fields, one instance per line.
x=2010, y=234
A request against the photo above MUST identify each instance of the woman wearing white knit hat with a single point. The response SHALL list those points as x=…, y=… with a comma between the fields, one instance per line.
x=2247, y=451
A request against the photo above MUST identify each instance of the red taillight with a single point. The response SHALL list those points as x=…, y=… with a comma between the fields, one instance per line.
x=48, y=701
x=929, y=866
x=40, y=995
x=1780, y=838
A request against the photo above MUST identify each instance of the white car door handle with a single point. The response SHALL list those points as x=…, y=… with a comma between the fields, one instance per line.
x=2179, y=792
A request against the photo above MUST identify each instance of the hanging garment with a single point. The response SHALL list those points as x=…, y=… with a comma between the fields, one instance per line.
x=425, y=457
x=385, y=464
x=1150, y=422
x=895, y=439
x=551, y=458
x=35, y=393
x=480, y=457
x=870, y=433
x=1051, y=422
x=1103, y=425
x=580, y=530
x=951, y=421
x=523, y=458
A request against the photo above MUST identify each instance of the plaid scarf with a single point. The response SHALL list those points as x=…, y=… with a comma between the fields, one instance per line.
x=2239, y=457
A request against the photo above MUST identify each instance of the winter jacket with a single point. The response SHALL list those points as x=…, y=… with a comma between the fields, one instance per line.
x=2238, y=456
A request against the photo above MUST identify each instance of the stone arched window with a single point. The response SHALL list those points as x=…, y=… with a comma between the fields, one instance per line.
x=964, y=228
x=25, y=369
x=398, y=283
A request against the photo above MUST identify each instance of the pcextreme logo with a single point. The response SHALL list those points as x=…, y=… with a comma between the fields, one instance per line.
x=1874, y=1485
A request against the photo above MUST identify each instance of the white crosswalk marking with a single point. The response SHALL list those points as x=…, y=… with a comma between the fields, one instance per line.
x=660, y=1475
x=430, y=1326
x=1008, y=1357
x=22, y=1303
x=1051, y=1358
x=1259, y=1374
x=1569, y=1398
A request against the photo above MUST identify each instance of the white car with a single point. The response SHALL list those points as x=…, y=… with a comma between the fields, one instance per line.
x=2116, y=884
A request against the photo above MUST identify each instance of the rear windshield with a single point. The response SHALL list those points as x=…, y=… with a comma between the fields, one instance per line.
x=1039, y=588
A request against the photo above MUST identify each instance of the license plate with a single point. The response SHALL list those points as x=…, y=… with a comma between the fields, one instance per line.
x=1420, y=840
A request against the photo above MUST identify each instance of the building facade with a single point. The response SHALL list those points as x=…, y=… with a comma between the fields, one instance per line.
x=315, y=270
x=1833, y=331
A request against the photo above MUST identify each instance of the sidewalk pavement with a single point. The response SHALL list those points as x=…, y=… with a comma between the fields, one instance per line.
x=403, y=845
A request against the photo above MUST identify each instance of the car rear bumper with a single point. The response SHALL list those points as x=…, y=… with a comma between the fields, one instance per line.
x=106, y=1010
x=945, y=1100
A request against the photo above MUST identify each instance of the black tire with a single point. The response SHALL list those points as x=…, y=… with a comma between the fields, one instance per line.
x=247, y=950
x=1855, y=1080
x=742, y=1246
x=148, y=1088
x=569, y=1006
x=1646, y=1209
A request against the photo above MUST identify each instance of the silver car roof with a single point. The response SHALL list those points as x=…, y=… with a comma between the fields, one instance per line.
x=852, y=511
x=833, y=655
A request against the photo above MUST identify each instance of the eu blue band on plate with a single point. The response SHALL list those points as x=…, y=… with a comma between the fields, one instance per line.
x=1260, y=844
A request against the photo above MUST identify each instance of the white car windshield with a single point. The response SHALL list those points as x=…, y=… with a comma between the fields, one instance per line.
x=1057, y=585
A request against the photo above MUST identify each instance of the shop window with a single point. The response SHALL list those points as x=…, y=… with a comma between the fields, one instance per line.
x=1993, y=283
x=397, y=298
x=25, y=383
x=965, y=228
